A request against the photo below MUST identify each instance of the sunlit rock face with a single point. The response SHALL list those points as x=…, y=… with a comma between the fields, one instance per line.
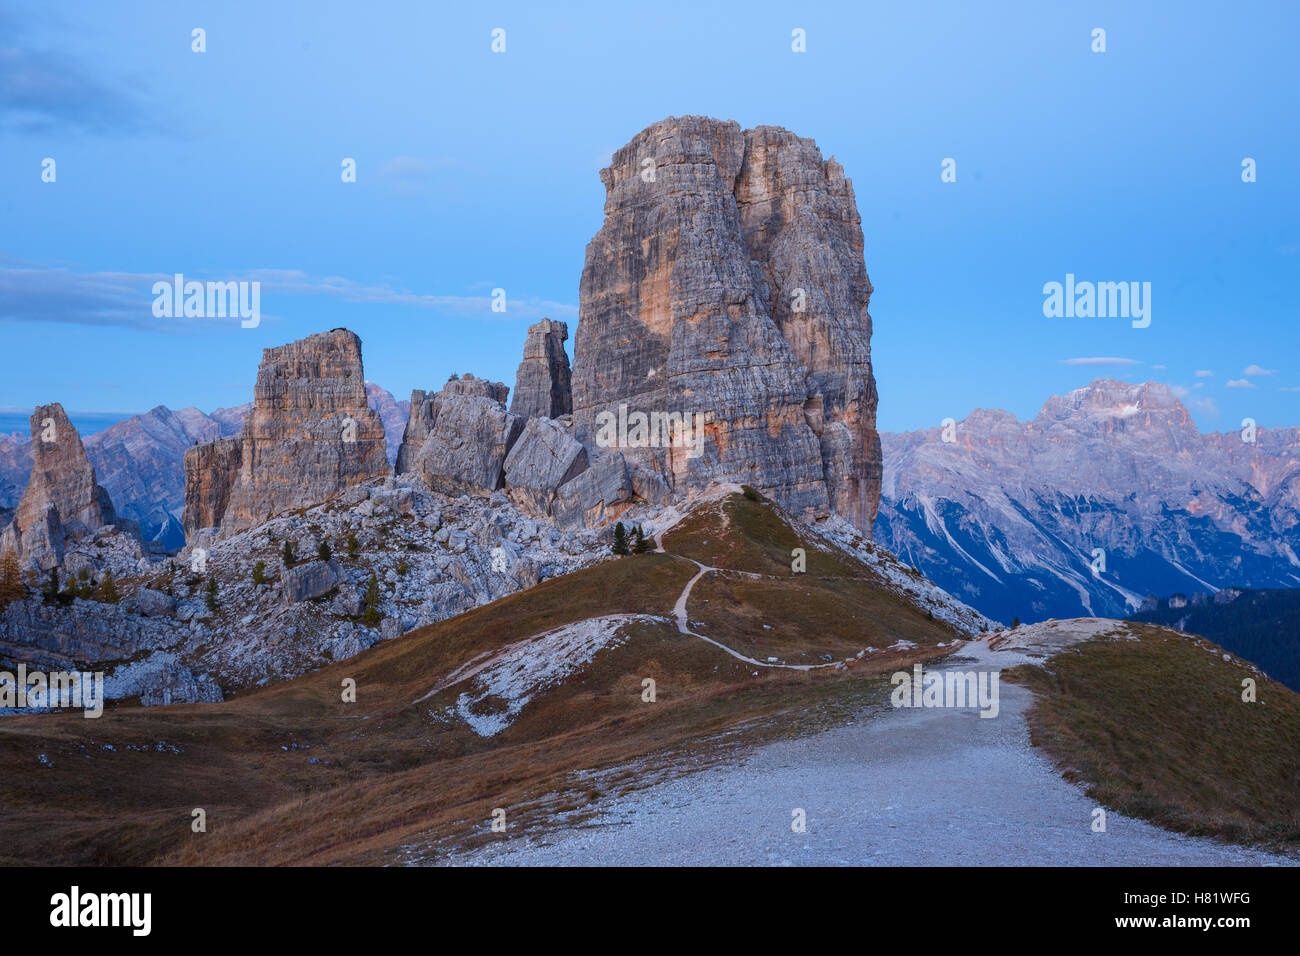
x=728, y=280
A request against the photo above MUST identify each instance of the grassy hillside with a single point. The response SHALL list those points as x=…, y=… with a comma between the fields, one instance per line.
x=1157, y=729
x=1260, y=625
x=291, y=774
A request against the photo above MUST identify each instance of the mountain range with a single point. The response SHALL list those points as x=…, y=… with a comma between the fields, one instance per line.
x=140, y=460
x=1109, y=494
x=1007, y=515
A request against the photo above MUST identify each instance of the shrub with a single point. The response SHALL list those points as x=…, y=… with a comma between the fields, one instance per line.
x=11, y=579
x=323, y=551
x=259, y=573
x=372, y=615
x=108, y=590
x=288, y=555
x=211, y=599
x=353, y=547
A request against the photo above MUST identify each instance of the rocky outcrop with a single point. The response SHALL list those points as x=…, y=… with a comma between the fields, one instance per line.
x=310, y=434
x=542, y=386
x=423, y=410
x=597, y=496
x=211, y=471
x=466, y=451
x=63, y=501
x=727, y=281
x=544, y=457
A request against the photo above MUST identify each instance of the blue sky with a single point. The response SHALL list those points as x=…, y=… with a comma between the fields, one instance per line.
x=479, y=171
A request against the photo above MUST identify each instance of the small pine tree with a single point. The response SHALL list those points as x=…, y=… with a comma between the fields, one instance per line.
x=1015, y=622
x=323, y=551
x=640, y=544
x=453, y=377
x=372, y=615
x=288, y=555
x=353, y=547
x=402, y=566
x=83, y=575
x=211, y=599
x=11, y=579
x=108, y=590
x=620, y=539
x=50, y=593
x=259, y=573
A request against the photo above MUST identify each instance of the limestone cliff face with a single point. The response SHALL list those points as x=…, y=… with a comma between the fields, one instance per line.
x=309, y=436
x=62, y=500
x=211, y=471
x=542, y=384
x=728, y=281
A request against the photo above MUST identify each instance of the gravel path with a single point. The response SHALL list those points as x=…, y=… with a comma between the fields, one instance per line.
x=918, y=787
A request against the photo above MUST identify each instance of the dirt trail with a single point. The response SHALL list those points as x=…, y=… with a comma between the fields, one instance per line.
x=485, y=660
x=918, y=787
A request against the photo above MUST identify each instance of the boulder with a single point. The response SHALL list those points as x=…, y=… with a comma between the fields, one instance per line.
x=153, y=603
x=598, y=495
x=544, y=458
x=311, y=580
x=466, y=450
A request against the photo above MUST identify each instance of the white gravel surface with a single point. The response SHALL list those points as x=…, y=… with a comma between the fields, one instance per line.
x=905, y=787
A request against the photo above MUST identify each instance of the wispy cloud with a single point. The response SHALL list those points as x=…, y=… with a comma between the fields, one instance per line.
x=33, y=293
x=41, y=90
x=1100, y=360
x=1239, y=383
x=1256, y=370
x=1204, y=373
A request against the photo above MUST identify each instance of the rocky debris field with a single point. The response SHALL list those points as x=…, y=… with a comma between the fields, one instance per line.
x=432, y=557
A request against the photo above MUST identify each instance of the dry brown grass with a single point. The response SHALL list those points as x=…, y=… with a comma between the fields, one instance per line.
x=1157, y=729
x=394, y=775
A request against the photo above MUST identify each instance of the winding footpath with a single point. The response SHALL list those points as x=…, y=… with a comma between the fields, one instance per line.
x=914, y=787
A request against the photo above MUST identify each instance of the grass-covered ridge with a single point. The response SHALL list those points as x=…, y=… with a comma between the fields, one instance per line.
x=291, y=774
x=1156, y=728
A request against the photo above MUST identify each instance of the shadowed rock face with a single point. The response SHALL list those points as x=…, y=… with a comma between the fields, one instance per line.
x=457, y=439
x=728, y=280
x=62, y=499
x=211, y=471
x=310, y=434
x=542, y=388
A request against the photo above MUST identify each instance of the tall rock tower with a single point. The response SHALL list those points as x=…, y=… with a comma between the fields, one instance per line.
x=309, y=435
x=728, y=280
x=62, y=500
